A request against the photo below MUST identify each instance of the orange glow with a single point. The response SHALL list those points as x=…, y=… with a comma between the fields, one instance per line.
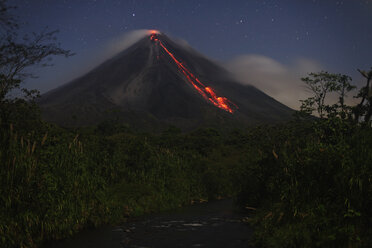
x=206, y=92
x=153, y=31
x=153, y=37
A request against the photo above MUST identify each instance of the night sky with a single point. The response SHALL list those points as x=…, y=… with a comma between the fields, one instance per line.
x=324, y=34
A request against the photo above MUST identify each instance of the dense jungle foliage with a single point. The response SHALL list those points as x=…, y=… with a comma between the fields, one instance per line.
x=306, y=183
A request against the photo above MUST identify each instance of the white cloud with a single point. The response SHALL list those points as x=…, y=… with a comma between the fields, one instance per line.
x=281, y=81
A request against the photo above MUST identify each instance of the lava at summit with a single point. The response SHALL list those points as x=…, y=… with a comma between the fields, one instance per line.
x=157, y=82
x=205, y=91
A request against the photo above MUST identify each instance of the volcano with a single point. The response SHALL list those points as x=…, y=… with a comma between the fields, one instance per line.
x=159, y=82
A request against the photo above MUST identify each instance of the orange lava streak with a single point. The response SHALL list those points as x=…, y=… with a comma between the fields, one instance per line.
x=207, y=92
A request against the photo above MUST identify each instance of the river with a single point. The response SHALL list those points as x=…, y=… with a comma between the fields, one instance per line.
x=212, y=224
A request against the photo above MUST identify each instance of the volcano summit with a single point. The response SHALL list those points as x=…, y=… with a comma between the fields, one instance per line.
x=158, y=82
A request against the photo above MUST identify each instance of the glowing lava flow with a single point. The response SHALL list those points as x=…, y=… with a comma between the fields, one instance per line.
x=207, y=92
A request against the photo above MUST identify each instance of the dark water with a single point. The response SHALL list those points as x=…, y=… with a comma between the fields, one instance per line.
x=213, y=224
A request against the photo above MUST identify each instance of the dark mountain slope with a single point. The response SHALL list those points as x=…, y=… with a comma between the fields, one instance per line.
x=144, y=86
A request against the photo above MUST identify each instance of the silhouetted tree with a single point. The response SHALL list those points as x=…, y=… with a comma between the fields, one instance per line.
x=17, y=55
x=364, y=108
x=7, y=21
x=321, y=85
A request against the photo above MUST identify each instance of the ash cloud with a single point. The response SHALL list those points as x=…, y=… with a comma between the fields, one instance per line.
x=85, y=61
x=124, y=41
x=111, y=48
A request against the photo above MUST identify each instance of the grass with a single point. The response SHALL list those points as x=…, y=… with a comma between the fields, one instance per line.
x=310, y=182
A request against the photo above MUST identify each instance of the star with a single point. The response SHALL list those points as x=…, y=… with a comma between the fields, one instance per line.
x=239, y=22
x=134, y=14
